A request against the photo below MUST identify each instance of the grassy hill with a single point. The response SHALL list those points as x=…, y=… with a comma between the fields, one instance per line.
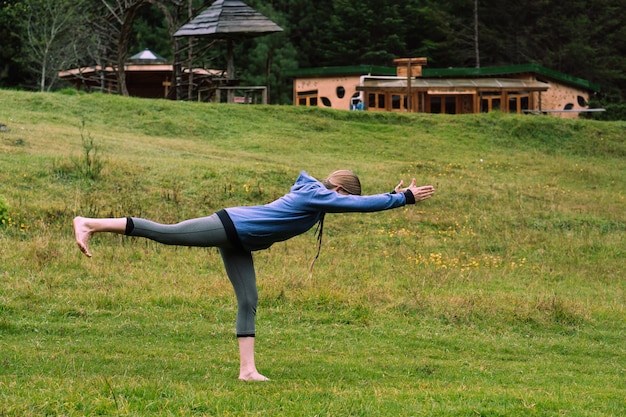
x=501, y=295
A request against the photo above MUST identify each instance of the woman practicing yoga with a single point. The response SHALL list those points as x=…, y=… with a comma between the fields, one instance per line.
x=239, y=231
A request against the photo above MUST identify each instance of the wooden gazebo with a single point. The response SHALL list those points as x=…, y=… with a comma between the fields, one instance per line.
x=231, y=21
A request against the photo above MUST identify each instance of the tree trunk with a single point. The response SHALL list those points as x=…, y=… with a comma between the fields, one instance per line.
x=476, y=50
x=230, y=70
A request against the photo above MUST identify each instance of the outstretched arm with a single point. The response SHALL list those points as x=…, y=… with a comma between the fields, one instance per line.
x=332, y=200
x=420, y=193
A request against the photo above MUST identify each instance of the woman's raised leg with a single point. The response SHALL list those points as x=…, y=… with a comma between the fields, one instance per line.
x=203, y=231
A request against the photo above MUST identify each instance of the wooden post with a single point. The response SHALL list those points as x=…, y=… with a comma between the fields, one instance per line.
x=230, y=70
x=190, y=57
x=407, y=64
x=408, y=86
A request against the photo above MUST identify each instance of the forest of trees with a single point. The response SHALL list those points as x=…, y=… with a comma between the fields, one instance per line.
x=585, y=39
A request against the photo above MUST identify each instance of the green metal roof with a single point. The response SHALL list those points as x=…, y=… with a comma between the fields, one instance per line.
x=512, y=69
x=348, y=70
x=446, y=73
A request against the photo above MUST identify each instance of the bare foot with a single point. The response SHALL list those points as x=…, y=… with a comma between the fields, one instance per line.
x=83, y=233
x=254, y=376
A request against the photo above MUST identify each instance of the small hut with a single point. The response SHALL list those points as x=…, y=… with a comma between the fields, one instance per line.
x=148, y=75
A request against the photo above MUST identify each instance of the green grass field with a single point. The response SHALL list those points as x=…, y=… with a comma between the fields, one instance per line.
x=503, y=295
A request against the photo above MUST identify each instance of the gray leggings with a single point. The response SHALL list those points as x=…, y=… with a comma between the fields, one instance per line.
x=209, y=232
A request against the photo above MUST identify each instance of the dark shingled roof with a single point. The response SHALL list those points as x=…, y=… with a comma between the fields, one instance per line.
x=229, y=19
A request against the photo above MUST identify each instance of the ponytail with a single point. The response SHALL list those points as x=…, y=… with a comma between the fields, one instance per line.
x=352, y=185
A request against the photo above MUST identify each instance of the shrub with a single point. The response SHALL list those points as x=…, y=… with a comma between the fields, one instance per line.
x=89, y=165
x=4, y=212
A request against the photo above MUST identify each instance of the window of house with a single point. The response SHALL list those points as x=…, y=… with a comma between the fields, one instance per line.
x=341, y=92
x=396, y=101
x=307, y=98
x=435, y=104
x=371, y=100
x=490, y=101
x=450, y=105
x=443, y=104
x=524, y=103
x=518, y=101
x=484, y=105
x=386, y=101
x=381, y=101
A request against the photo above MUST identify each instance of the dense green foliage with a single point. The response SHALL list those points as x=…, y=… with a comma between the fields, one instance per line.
x=586, y=39
x=501, y=295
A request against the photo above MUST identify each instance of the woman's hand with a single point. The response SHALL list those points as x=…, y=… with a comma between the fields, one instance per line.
x=420, y=193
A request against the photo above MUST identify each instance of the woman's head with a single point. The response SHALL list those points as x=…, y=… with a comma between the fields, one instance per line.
x=343, y=180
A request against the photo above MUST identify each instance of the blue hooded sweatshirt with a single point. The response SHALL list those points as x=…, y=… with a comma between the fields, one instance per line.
x=258, y=227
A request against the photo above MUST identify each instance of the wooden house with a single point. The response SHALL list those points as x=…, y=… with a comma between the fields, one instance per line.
x=513, y=89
